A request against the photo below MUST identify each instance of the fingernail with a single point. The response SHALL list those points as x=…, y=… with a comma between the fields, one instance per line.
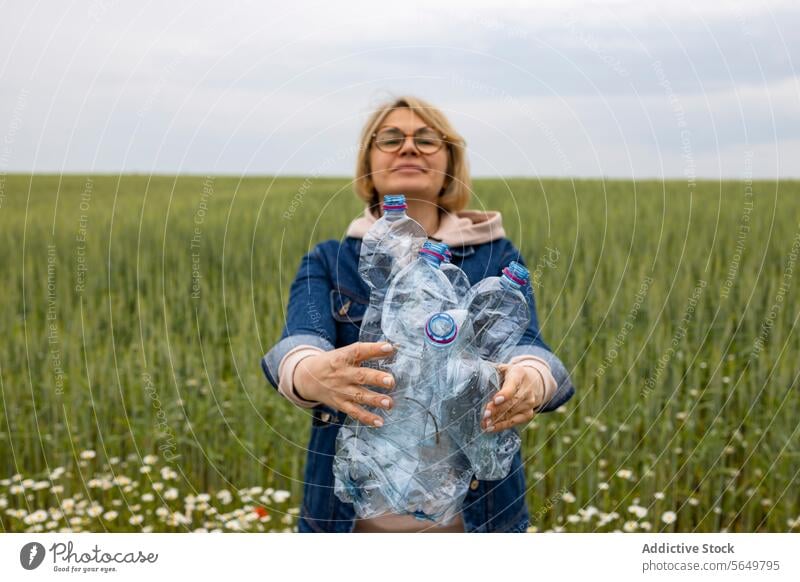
x=487, y=414
x=386, y=402
x=499, y=400
x=377, y=422
x=489, y=427
x=388, y=380
x=387, y=347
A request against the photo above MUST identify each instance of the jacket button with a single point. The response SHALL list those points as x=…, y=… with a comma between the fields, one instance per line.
x=474, y=484
x=325, y=416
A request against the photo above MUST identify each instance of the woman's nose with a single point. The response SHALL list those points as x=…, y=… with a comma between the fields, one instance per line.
x=408, y=146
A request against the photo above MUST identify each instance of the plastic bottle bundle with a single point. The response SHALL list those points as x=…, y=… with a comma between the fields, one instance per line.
x=447, y=336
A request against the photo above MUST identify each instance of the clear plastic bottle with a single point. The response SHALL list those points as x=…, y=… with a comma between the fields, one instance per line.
x=497, y=317
x=389, y=245
x=498, y=312
x=411, y=465
x=416, y=292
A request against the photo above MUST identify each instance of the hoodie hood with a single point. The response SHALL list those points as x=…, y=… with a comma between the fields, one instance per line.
x=456, y=229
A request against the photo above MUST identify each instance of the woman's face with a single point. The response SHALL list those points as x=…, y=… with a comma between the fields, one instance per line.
x=407, y=171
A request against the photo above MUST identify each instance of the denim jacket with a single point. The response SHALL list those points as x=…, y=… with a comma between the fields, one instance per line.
x=327, y=301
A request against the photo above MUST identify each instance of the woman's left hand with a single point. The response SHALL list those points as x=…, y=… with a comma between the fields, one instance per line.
x=522, y=391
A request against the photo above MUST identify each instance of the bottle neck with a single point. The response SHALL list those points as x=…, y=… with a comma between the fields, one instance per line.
x=392, y=214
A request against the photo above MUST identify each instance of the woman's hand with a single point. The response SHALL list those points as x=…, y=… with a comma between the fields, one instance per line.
x=335, y=378
x=522, y=391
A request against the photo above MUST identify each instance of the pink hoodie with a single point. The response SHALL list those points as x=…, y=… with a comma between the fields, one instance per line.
x=465, y=227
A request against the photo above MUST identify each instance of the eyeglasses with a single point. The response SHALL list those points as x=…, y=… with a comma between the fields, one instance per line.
x=425, y=139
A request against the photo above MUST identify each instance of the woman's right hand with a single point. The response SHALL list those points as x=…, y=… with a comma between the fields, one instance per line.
x=335, y=378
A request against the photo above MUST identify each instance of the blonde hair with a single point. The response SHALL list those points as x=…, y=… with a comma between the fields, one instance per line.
x=456, y=191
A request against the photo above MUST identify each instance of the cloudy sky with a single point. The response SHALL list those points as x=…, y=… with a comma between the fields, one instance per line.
x=628, y=89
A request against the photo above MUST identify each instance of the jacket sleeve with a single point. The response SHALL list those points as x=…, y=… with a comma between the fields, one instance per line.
x=532, y=344
x=309, y=322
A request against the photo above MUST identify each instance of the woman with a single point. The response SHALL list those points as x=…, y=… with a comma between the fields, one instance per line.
x=409, y=147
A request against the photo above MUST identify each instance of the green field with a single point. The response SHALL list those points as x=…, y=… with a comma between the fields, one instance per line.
x=136, y=311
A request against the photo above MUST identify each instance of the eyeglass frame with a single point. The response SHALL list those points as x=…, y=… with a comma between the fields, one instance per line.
x=442, y=139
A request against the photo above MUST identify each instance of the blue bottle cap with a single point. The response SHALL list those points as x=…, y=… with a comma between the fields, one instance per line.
x=394, y=202
x=433, y=252
x=517, y=274
x=441, y=329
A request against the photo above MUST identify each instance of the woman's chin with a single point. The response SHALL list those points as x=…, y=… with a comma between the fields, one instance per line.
x=409, y=185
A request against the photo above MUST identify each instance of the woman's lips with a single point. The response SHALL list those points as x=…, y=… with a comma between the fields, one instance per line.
x=409, y=169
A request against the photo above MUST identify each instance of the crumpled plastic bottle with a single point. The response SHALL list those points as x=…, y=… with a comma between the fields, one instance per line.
x=409, y=466
x=497, y=316
x=389, y=245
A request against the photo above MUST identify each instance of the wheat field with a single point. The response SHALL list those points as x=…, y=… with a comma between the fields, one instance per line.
x=136, y=310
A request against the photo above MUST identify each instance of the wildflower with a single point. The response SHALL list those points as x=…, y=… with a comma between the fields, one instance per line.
x=668, y=517
x=638, y=511
x=88, y=454
x=280, y=496
x=150, y=459
x=16, y=489
x=136, y=519
x=658, y=495
x=625, y=474
x=568, y=497
x=603, y=486
x=167, y=473
x=171, y=493
x=38, y=516
x=630, y=526
x=260, y=511
x=110, y=515
x=147, y=497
